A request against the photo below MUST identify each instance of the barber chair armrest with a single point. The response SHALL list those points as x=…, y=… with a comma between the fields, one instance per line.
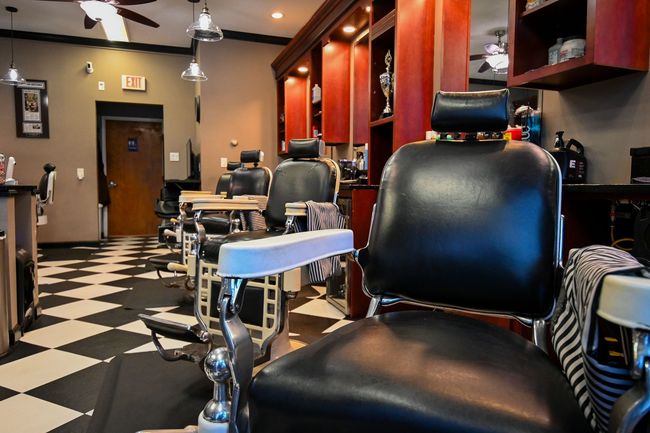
x=296, y=209
x=221, y=204
x=625, y=300
x=260, y=199
x=262, y=257
x=188, y=196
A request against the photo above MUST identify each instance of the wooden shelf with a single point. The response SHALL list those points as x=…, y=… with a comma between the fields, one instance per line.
x=383, y=25
x=549, y=4
x=380, y=122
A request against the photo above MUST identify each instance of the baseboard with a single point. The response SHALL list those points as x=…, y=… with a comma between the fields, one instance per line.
x=68, y=244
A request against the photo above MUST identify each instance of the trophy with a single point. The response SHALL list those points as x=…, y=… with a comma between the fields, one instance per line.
x=387, y=82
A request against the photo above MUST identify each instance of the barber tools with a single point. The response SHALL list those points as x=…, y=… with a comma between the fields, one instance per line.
x=387, y=82
x=573, y=163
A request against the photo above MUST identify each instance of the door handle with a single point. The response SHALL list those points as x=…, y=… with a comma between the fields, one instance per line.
x=111, y=184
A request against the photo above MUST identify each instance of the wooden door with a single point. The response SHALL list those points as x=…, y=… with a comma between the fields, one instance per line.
x=134, y=168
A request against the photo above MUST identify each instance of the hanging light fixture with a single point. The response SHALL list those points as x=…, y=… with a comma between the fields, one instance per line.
x=204, y=29
x=12, y=77
x=193, y=72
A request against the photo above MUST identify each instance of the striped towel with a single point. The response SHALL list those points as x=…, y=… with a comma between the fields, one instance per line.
x=575, y=337
x=323, y=216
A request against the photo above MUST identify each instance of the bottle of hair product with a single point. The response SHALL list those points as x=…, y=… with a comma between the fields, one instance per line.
x=554, y=52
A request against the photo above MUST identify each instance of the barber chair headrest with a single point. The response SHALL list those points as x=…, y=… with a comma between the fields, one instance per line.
x=233, y=165
x=470, y=111
x=254, y=156
x=304, y=148
x=49, y=167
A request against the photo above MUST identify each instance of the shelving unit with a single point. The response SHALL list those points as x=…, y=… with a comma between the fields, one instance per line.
x=616, y=35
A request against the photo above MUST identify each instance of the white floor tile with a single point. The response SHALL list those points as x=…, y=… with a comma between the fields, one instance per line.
x=24, y=413
x=166, y=343
x=337, y=325
x=153, y=275
x=53, y=270
x=91, y=291
x=44, y=281
x=100, y=278
x=122, y=247
x=90, y=412
x=321, y=308
x=78, y=309
x=63, y=333
x=41, y=368
x=59, y=263
x=84, y=248
x=181, y=318
x=162, y=309
x=157, y=251
x=321, y=291
x=111, y=259
x=136, y=326
x=108, y=267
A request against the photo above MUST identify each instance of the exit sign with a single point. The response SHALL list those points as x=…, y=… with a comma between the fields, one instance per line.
x=134, y=82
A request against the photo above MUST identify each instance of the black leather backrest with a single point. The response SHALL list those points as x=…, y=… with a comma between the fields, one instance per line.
x=42, y=187
x=470, y=111
x=299, y=180
x=249, y=181
x=304, y=148
x=223, y=184
x=467, y=224
x=233, y=165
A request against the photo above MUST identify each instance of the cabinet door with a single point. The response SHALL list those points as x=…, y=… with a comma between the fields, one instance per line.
x=336, y=92
x=295, y=108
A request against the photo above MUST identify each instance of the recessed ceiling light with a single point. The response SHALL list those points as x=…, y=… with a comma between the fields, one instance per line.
x=368, y=8
x=277, y=15
x=303, y=69
x=349, y=29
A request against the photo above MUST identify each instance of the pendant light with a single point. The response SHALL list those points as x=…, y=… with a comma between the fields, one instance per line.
x=204, y=29
x=12, y=76
x=193, y=72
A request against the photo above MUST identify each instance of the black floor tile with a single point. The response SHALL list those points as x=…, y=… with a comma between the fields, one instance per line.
x=77, y=391
x=55, y=301
x=55, y=254
x=126, y=282
x=113, y=318
x=135, y=271
x=138, y=262
x=72, y=274
x=106, y=344
x=78, y=425
x=309, y=328
x=297, y=302
x=5, y=393
x=61, y=287
x=21, y=350
x=81, y=265
x=44, y=320
x=140, y=255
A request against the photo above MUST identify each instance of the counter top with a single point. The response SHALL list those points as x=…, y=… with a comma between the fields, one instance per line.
x=351, y=186
x=9, y=190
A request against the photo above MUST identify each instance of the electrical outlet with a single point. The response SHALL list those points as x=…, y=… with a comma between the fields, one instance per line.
x=174, y=156
x=224, y=162
x=81, y=173
x=101, y=85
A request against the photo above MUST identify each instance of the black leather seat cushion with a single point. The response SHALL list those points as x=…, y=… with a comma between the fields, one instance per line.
x=214, y=225
x=415, y=372
x=211, y=248
x=166, y=209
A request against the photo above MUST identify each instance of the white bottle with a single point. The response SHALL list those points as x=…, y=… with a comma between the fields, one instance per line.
x=554, y=52
x=316, y=94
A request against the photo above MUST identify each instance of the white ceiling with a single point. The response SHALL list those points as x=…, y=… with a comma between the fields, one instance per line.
x=251, y=16
x=487, y=17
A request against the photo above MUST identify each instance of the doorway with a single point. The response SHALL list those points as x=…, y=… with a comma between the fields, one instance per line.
x=134, y=171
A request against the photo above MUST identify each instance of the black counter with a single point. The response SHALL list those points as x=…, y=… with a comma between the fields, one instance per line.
x=9, y=190
x=620, y=191
x=351, y=186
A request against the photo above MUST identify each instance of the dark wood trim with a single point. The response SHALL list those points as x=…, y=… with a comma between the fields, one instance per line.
x=487, y=82
x=134, y=46
x=311, y=33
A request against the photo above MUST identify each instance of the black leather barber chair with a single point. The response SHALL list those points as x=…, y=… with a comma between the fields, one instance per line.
x=462, y=225
x=45, y=192
x=302, y=177
x=223, y=184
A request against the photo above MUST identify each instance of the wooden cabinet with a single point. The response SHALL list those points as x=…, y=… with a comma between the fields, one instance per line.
x=615, y=32
x=336, y=92
x=295, y=107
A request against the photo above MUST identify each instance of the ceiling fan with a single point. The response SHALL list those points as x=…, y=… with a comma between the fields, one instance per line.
x=496, y=58
x=98, y=10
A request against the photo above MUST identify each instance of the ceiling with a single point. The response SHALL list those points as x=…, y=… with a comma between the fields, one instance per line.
x=250, y=16
x=487, y=17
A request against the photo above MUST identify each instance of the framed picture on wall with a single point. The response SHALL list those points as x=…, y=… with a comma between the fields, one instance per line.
x=32, y=118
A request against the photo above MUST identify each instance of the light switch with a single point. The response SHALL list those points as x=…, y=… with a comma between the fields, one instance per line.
x=224, y=162
x=101, y=85
x=174, y=156
x=81, y=173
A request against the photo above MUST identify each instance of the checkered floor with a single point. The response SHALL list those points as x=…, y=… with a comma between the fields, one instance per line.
x=90, y=297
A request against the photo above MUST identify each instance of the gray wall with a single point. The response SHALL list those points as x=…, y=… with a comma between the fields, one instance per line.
x=608, y=117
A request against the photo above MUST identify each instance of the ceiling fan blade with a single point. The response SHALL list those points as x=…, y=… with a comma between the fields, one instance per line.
x=134, y=16
x=89, y=23
x=484, y=67
x=492, y=48
x=477, y=56
x=129, y=2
